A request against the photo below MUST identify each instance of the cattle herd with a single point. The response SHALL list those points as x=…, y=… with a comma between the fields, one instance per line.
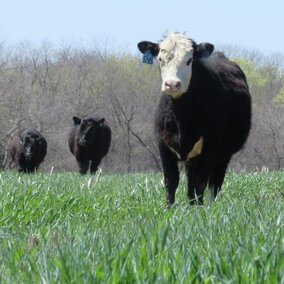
x=203, y=118
x=89, y=141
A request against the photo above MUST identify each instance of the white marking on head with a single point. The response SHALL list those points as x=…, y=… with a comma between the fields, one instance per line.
x=175, y=56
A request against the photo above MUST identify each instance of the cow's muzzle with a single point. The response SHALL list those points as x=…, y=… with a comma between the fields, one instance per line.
x=82, y=142
x=172, y=85
x=28, y=156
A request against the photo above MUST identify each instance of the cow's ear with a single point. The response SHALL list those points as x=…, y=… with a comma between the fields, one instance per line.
x=77, y=120
x=101, y=122
x=21, y=140
x=204, y=49
x=39, y=140
x=145, y=46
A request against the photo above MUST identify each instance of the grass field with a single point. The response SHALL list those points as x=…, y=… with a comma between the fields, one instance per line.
x=67, y=228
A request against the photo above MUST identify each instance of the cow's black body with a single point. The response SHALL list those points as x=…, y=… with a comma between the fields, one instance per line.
x=89, y=142
x=216, y=107
x=27, y=150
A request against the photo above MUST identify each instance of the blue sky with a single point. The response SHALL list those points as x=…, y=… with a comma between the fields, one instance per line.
x=253, y=24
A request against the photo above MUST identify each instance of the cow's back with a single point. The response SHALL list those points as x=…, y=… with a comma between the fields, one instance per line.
x=101, y=144
x=221, y=93
x=106, y=138
x=42, y=149
x=72, y=140
x=15, y=148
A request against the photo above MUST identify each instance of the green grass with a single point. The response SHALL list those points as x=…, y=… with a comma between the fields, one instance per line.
x=67, y=228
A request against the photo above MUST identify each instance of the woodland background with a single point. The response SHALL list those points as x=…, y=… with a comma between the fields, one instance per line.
x=43, y=87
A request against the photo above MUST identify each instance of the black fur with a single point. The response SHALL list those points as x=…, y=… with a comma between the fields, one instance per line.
x=89, y=141
x=217, y=107
x=27, y=150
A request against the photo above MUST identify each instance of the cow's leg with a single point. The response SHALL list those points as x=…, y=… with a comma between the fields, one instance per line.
x=20, y=164
x=29, y=170
x=36, y=167
x=171, y=172
x=20, y=169
x=217, y=177
x=83, y=167
x=23, y=168
x=197, y=179
x=94, y=165
x=37, y=164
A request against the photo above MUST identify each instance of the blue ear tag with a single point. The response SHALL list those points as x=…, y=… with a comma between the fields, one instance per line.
x=147, y=57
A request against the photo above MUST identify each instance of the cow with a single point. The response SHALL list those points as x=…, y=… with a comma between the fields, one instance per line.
x=89, y=141
x=27, y=150
x=204, y=113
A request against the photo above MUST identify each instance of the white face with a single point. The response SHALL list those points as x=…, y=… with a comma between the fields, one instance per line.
x=175, y=56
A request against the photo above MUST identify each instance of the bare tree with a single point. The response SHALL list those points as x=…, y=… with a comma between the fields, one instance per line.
x=44, y=87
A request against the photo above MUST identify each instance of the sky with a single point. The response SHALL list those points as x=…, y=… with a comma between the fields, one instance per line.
x=120, y=25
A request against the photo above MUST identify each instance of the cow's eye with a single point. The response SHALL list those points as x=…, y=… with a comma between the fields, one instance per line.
x=160, y=59
x=188, y=61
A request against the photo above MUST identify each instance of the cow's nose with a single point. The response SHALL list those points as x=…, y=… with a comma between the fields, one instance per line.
x=28, y=156
x=172, y=85
x=82, y=141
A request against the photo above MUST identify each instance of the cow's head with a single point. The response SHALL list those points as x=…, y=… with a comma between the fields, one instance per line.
x=87, y=129
x=176, y=54
x=30, y=142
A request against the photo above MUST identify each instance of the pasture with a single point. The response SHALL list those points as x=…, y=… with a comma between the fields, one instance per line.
x=67, y=228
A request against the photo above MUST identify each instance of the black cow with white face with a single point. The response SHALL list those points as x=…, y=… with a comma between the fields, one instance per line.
x=204, y=114
x=89, y=141
x=27, y=150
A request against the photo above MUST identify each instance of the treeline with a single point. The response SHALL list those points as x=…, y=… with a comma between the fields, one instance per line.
x=44, y=88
